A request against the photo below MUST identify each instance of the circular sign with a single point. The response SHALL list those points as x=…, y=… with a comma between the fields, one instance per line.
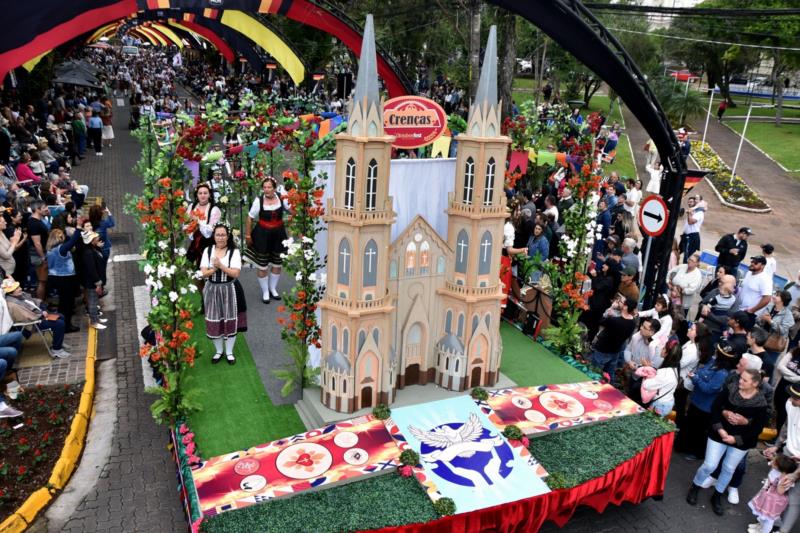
x=345, y=439
x=535, y=416
x=414, y=121
x=304, y=461
x=561, y=404
x=253, y=483
x=246, y=466
x=356, y=456
x=521, y=402
x=653, y=216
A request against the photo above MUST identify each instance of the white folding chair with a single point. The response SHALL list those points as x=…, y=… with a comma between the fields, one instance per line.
x=36, y=325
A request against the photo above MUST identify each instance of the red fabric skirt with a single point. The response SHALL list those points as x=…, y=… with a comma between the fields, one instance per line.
x=635, y=480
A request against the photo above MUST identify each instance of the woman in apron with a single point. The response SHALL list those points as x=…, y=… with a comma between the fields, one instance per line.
x=223, y=298
x=206, y=214
x=264, y=234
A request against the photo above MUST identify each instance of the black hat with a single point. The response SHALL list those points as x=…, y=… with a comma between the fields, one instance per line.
x=767, y=248
x=758, y=259
x=794, y=391
x=726, y=350
x=746, y=230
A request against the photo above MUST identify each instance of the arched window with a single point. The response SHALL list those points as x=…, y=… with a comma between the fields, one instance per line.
x=415, y=334
x=424, y=257
x=345, y=340
x=376, y=335
x=488, y=320
x=485, y=254
x=446, y=362
x=350, y=184
x=370, y=264
x=488, y=190
x=345, y=260
x=333, y=384
x=372, y=186
x=469, y=180
x=474, y=323
x=362, y=338
x=462, y=251
x=393, y=269
x=440, y=264
x=460, y=325
x=456, y=368
x=448, y=322
x=344, y=386
x=334, y=338
x=411, y=258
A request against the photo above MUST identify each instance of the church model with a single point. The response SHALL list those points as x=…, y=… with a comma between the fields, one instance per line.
x=422, y=309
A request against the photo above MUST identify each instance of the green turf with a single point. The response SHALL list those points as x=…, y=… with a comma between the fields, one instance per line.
x=780, y=142
x=236, y=412
x=529, y=363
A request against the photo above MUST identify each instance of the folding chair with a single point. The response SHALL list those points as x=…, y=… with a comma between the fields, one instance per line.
x=35, y=324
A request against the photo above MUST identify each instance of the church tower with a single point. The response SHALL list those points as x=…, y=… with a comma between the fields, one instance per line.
x=358, y=365
x=468, y=353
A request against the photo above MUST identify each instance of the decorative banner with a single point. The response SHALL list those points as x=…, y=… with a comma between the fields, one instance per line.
x=545, y=158
x=532, y=155
x=441, y=147
x=561, y=157
x=319, y=458
x=519, y=160
x=324, y=128
x=553, y=407
x=414, y=121
x=464, y=456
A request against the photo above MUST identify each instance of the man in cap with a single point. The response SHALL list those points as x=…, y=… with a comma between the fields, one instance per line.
x=627, y=284
x=756, y=289
x=788, y=443
x=732, y=249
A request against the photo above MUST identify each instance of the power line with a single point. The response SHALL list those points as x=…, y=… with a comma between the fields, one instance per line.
x=695, y=11
x=707, y=41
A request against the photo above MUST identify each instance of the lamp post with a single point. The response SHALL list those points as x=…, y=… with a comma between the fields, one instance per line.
x=741, y=138
x=708, y=115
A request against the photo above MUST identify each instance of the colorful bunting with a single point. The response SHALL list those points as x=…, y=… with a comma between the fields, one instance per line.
x=324, y=128
x=546, y=158
x=441, y=147
x=518, y=161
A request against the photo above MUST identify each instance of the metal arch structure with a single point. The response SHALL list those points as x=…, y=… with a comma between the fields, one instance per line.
x=577, y=30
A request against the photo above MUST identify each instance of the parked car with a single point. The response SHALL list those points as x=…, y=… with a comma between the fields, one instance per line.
x=684, y=75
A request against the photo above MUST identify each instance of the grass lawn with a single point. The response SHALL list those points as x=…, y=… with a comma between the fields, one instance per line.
x=236, y=412
x=780, y=143
x=529, y=363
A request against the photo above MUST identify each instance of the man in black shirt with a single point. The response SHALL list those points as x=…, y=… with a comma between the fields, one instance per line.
x=38, y=233
x=740, y=323
x=732, y=249
x=609, y=343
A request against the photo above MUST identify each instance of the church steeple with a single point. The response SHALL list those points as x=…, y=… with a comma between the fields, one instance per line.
x=484, y=113
x=366, y=113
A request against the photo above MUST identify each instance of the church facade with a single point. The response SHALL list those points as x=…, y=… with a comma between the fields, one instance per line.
x=424, y=309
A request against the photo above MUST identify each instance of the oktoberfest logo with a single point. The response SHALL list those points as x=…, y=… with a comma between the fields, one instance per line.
x=466, y=454
x=414, y=121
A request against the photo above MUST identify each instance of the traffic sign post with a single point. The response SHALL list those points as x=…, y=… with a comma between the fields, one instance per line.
x=653, y=217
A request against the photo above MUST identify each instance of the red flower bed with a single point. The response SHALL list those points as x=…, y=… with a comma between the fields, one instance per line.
x=28, y=453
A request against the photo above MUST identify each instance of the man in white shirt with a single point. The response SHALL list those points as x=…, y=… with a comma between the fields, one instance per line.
x=641, y=350
x=756, y=289
x=690, y=239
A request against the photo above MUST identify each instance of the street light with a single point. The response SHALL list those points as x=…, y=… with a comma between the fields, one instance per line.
x=741, y=139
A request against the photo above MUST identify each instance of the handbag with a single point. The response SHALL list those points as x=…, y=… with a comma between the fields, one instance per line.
x=776, y=342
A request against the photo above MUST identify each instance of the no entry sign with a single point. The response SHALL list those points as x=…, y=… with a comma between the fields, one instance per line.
x=653, y=216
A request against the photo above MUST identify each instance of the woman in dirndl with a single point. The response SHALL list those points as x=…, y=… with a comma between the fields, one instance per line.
x=206, y=214
x=264, y=234
x=223, y=297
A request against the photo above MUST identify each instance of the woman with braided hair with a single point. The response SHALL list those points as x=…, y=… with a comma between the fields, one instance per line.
x=223, y=298
x=264, y=234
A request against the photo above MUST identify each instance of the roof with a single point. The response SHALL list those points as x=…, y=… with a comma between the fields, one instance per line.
x=367, y=80
x=487, y=85
x=451, y=343
x=338, y=361
x=419, y=219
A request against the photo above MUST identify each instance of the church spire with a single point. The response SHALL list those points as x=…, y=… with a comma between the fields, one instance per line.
x=366, y=115
x=484, y=115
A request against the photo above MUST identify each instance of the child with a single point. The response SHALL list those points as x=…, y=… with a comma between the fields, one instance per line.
x=772, y=500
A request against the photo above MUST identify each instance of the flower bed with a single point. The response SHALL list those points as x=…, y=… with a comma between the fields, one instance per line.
x=29, y=453
x=733, y=191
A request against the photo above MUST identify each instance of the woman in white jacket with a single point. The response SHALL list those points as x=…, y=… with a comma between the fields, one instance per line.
x=665, y=382
x=684, y=282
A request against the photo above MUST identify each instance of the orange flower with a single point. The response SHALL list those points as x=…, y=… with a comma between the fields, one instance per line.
x=165, y=182
x=281, y=308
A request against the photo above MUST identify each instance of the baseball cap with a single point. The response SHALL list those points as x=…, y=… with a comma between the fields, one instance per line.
x=746, y=230
x=758, y=259
x=629, y=271
x=726, y=350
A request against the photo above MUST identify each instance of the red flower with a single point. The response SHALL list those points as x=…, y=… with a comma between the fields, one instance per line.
x=406, y=471
x=21, y=470
x=23, y=441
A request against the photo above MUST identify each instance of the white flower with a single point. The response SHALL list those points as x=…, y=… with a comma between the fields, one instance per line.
x=173, y=296
x=154, y=301
x=223, y=199
x=288, y=242
x=183, y=291
x=198, y=275
x=298, y=276
x=148, y=269
x=163, y=245
x=192, y=288
x=308, y=240
x=180, y=251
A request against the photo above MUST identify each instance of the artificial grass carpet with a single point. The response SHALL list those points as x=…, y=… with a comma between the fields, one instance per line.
x=575, y=456
x=236, y=412
x=529, y=363
x=385, y=500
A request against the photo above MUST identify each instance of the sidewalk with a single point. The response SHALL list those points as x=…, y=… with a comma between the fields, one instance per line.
x=781, y=227
x=135, y=489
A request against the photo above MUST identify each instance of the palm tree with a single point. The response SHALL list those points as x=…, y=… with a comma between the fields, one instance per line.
x=677, y=101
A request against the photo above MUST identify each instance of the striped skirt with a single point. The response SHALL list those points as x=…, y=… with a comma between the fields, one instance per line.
x=225, y=310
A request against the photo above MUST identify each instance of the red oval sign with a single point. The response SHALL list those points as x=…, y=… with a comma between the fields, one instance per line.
x=414, y=121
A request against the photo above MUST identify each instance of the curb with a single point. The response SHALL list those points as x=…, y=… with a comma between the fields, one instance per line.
x=725, y=203
x=70, y=453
